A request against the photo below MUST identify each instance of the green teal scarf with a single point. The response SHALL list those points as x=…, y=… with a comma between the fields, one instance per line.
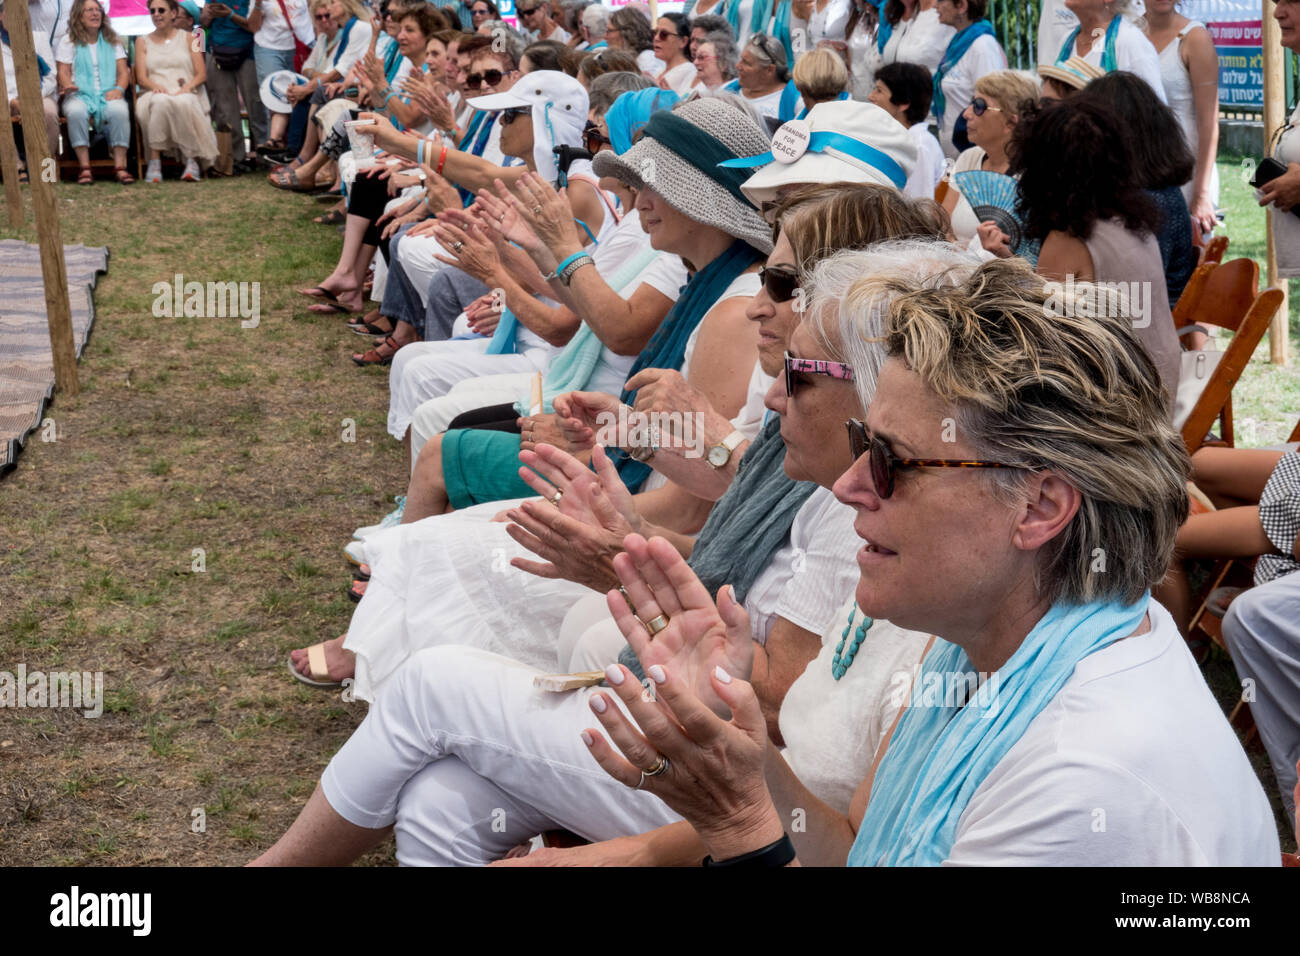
x=83, y=74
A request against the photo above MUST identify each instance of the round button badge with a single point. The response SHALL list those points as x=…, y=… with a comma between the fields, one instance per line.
x=791, y=141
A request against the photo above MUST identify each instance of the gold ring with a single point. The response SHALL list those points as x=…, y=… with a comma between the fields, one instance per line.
x=537, y=210
x=659, y=766
x=656, y=624
x=457, y=246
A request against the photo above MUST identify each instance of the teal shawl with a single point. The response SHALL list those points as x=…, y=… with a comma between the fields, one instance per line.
x=941, y=751
x=83, y=74
x=957, y=48
x=667, y=349
x=1108, y=61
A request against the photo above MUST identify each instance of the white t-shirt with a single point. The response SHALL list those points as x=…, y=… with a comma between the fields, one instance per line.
x=1131, y=764
x=768, y=104
x=679, y=78
x=66, y=52
x=929, y=164
x=1286, y=227
x=984, y=56
x=322, y=51
x=276, y=34
x=923, y=39
x=559, y=35
x=820, y=554
x=48, y=82
x=1133, y=52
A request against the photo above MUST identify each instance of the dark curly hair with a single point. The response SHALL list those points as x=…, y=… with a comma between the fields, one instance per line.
x=1158, y=145
x=1075, y=167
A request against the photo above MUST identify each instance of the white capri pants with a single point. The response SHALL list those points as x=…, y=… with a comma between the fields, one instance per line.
x=467, y=759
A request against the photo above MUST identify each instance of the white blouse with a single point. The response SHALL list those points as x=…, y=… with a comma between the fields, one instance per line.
x=922, y=39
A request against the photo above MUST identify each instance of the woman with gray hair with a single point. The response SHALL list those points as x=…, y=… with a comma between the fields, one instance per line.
x=1106, y=38
x=1020, y=487
x=715, y=59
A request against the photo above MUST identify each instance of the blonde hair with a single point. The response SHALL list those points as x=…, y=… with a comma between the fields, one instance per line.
x=1040, y=387
x=820, y=75
x=357, y=9
x=1014, y=90
x=77, y=31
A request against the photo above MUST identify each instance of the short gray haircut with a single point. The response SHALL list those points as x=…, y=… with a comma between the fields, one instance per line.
x=1041, y=388
x=595, y=18
x=725, y=49
x=608, y=87
x=711, y=23
x=514, y=40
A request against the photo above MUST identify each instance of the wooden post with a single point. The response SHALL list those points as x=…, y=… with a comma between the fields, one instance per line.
x=9, y=156
x=18, y=20
x=1274, y=117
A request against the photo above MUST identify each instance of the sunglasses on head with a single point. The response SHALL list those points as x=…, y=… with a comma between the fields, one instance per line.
x=884, y=463
x=796, y=368
x=780, y=282
x=979, y=106
x=477, y=80
x=593, y=139
x=509, y=116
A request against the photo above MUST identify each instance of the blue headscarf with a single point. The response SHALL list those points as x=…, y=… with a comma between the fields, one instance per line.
x=631, y=111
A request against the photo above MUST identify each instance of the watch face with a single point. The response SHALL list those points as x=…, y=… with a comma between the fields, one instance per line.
x=718, y=456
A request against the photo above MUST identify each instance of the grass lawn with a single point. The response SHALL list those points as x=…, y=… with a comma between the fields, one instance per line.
x=198, y=434
x=188, y=434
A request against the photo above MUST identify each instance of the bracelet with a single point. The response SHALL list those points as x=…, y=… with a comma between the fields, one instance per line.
x=561, y=267
x=442, y=159
x=567, y=271
x=779, y=853
x=384, y=103
x=419, y=152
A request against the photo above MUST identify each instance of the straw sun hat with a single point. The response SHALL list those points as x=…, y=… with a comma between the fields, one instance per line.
x=707, y=131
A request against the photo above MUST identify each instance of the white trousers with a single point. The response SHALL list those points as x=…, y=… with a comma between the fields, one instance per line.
x=433, y=416
x=425, y=370
x=467, y=759
x=417, y=258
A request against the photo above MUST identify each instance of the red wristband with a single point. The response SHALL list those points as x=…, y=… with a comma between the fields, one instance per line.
x=442, y=159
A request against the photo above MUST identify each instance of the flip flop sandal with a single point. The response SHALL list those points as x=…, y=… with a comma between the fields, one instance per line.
x=320, y=293
x=363, y=327
x=331, y=218
x=320, y=677
x=329, y=308
x=374, y=358
x=357, y=591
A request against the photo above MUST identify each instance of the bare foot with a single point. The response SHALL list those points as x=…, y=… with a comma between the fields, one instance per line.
x=339, y=663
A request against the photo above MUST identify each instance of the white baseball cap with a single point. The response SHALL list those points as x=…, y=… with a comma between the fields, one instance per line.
x=559, y=105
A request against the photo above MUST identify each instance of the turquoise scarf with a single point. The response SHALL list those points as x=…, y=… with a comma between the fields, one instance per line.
x=884, y=29
x=343, y=41
x=83, y=74
x=571, y=370
x=1108, y=63
x=940, y=754
x=780, y=28
x=957, y=48
x=667, y=349
x=786, y=106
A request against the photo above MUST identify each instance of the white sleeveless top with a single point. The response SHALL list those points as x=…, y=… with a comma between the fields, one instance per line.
x=1178, y=90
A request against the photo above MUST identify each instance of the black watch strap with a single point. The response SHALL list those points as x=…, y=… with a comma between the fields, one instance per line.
x=779, y=853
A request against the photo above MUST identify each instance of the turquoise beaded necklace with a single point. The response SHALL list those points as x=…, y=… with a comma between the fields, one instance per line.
x=840, y=665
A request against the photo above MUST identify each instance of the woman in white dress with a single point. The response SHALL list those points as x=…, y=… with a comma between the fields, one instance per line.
x=1189, y=69
x=910, y=32
x=973, y=52
x=820, y=21
x=173, y=109
x=1106, y=38
x=672, y=48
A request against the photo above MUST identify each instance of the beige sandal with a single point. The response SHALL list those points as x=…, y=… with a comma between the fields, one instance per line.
x=320, y=676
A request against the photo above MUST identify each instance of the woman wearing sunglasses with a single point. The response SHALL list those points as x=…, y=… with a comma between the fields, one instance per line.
x=672, y=48
x=481, y=11
x=173, y=109
x=1000, y=100
x=779, y=540
x=1050, y=719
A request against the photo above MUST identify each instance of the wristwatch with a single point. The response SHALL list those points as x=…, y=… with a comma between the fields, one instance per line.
x=720, y=454
x=644, y=453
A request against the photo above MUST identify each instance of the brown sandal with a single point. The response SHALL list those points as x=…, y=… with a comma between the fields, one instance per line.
x=85, y=177
x=123, y=177
x=375, y=356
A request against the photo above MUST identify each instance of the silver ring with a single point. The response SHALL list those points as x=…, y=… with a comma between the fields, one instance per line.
x=537, y=210
x=457, y=246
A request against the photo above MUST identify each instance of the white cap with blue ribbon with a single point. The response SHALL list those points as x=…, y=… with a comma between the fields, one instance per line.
x=839, y=141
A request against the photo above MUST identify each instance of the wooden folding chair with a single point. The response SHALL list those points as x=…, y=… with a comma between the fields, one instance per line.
x=1213, y=250
x=1229, y=299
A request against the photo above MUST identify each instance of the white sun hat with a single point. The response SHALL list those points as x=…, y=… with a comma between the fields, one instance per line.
x=843, y=141
x=275, y=86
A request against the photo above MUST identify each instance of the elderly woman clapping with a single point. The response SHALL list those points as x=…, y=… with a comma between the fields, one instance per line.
x=1020, y=489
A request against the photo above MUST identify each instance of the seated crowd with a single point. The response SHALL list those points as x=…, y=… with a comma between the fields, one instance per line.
x=766, y=456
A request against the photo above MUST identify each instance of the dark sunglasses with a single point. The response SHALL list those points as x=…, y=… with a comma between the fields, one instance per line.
x=527, y=11
x=796, y=368
x=509, y=116
x=154, y=11
x=593, y=139
x=665, y=34
x=979, y=106
x=322, y=16
x=884, y=463
x=489, y=77
x=780, y=282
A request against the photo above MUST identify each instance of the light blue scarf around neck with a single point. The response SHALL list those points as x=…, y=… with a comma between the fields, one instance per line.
x=940, y=755
x=957, y=48
x=83, y=74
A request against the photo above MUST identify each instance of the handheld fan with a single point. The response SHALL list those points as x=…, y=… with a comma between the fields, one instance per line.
x=993, y=198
